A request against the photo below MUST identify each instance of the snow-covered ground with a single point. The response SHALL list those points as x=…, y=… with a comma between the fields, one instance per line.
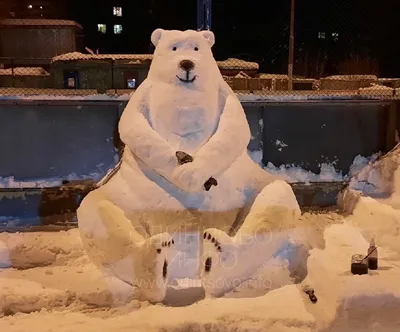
x=47, y=283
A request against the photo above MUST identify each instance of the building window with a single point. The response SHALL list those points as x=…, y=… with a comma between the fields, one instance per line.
x=71, y=80
x=101, y=28
x=131, y=83
x=131, y=79
x=117, y=29
x=321, y=35
x=335, y=36
x=117, y=11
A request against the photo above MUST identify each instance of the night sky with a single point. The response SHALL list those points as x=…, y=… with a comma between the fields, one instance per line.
x=259, y=31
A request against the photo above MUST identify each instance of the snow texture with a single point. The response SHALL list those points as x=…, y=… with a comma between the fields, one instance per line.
x=24, y=71
x=328, y=173
x=128, y=224
x=52, y=285
x=11, y=182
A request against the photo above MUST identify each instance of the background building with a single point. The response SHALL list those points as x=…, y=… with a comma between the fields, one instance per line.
x=34, y=9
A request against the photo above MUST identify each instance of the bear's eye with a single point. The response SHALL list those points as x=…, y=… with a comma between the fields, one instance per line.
x=196, y=48
x=174, y=48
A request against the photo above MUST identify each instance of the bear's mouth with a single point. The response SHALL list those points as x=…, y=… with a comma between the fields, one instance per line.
x=187, y=80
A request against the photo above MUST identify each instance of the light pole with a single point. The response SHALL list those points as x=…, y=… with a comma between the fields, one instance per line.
x=204, y=8
x=291, y=47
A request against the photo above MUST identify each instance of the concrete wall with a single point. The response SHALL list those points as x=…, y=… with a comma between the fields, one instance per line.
x=46, y=139
x=50, y=140
x=324, y=132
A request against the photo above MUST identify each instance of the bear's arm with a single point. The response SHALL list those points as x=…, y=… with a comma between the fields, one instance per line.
x=229, y=140
x=144, y=142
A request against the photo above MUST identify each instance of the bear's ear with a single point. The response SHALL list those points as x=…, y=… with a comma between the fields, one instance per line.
x=209, y=36
x=156, y=36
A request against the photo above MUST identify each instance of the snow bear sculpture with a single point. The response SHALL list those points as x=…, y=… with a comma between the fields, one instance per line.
x=185, y=168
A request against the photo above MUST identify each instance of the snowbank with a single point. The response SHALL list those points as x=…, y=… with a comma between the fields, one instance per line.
x=328, y=173
x=350, y=302
x=71, y=295
x=378, y=220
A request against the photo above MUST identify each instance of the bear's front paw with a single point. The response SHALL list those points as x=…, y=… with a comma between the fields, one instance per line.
x=183, y=157
x=190, y=178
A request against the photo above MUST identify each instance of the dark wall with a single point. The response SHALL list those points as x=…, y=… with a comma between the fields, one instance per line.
x=44, y=141
x=56, y=139
x=48, y=139
x=36, y=42
x=322, y=132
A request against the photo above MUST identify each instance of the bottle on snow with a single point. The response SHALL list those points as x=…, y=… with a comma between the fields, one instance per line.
x=372, y=256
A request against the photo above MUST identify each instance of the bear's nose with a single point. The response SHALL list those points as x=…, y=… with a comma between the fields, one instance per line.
x=186, y=65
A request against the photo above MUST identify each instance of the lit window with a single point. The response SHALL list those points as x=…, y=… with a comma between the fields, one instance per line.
x=117, y=11
x=335, y=36
x=117, y=29
x=41, y=7
x=30, y=6
x=101, y=28
x=71, y=82
x=321, y=35
x=131, y=82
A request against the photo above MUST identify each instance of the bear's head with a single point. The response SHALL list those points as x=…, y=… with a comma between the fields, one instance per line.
x=184, y=58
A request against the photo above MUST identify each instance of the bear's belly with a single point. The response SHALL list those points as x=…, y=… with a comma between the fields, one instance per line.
x=160, y=206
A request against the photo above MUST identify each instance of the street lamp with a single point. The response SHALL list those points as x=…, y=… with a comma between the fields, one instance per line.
x=291, y=47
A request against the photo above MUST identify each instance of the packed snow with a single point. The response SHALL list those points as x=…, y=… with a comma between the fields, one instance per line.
x=48, y=282
x=328, y=173
x=24, y=71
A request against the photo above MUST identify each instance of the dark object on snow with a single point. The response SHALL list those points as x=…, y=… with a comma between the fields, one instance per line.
x=184, y=158
x=359, y=265
x=310, y=292
x=372, y=256
x=210, y=182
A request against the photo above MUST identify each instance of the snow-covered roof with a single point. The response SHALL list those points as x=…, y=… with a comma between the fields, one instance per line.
x=35, y=22
x=24, y=71
x=352, y=77
x=136, y=58
x=242, y=75
x=81, y=56
x=233, y=63
x=274, y=76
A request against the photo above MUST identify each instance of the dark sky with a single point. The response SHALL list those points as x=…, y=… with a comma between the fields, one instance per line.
x=256, y=30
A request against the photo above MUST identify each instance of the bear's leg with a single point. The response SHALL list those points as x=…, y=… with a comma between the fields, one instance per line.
x=228, y=261
x=121, y=251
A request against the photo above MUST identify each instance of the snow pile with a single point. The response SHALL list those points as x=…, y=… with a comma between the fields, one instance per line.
x=233, y=63
x=69, y=294
x=328, y=172
x=352, y=77
x=379, y=176
x=24, y=71
x=350, y=302
x=27, y=250
x=81, y=56
x=256, y=156
x=377, y=89
x=11, y=182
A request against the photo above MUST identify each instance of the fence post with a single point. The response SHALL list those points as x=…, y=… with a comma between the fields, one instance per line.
x=12, y=72
x=291, y=47
x=112, y=76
